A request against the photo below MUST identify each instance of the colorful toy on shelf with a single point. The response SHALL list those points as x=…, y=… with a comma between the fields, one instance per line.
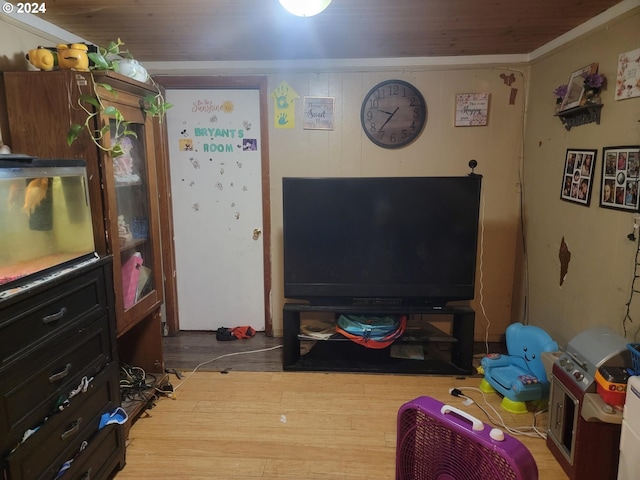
x=73, y=57
x=130, y=275
x=43, y=58
x=64, y=57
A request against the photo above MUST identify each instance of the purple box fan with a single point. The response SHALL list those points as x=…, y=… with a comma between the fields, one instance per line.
x=439, y=442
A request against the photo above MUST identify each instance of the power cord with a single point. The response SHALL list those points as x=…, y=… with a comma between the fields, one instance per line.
x=135, y=383
x=218, y=358
x=497, y=420
x=484, y=313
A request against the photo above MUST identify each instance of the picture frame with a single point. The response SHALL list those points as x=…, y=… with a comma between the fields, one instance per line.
x=472, y=109
x=628, y=75
x=318, y=113
x=577, y=176
x=575, y=87
x=620, y=177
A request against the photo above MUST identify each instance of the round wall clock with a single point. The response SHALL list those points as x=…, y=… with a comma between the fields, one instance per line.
x=393, y=114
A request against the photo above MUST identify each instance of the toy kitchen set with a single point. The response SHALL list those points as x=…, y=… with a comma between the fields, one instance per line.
x=584, y=429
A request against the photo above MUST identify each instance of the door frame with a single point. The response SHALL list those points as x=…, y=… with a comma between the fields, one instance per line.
x=164, y=179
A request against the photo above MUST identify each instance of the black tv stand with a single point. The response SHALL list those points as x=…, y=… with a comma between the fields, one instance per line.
x=339, y=354
x=377, y=301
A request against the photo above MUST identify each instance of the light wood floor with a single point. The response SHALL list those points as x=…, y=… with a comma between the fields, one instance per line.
x=292, y=425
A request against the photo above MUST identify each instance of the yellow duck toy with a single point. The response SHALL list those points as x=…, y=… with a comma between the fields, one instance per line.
x=73, y=57
x=43, y=58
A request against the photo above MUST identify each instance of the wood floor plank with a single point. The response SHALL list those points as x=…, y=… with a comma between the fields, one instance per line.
x=293, y=425
x=330, y=469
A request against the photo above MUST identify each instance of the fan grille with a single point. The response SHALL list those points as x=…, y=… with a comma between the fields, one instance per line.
x=427, y=450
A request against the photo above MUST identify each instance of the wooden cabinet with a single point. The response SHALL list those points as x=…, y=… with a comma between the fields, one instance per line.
x=123, y=190
x=59, y=375
x=131, y=204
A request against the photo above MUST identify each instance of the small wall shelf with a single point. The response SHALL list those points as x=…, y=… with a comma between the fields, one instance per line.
x=576, y=116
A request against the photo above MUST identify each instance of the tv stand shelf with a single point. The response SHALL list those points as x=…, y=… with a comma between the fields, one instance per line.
x=346, y=356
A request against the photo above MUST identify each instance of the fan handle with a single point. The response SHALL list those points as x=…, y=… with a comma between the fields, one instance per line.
x=477, y=425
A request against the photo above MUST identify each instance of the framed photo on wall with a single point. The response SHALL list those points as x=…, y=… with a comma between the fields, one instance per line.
x=577, y=176
x=575, y=88
x=620, y=177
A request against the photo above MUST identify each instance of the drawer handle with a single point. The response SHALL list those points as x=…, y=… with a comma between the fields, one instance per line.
x=75, y=427
x=57, y=376
x=54, y=317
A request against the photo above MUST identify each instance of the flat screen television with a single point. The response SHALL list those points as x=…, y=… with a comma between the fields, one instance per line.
x=380, y=241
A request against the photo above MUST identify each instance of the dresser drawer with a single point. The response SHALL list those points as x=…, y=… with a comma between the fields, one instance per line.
x=30, y=320
x=30, y=394
x=62, y=431
x=104, y=454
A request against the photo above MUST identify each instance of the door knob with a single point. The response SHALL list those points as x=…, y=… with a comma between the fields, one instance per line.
x=256, y=233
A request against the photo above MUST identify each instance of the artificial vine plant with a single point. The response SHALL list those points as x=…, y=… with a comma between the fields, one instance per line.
x=154, y=105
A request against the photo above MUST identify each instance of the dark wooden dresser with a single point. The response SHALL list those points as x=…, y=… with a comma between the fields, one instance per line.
x=59, y=374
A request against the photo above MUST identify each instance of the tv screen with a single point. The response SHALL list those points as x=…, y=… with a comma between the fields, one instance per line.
x=392, y=240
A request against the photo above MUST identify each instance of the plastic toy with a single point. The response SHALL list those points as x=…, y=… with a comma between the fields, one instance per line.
x=519, y=376
x=73, y=57
x=43, y=58
x=64, y=57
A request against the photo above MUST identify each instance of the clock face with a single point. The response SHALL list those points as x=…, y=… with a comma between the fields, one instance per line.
x=393, y=114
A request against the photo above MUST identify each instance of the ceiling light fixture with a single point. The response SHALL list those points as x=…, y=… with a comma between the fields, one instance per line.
x=305, y=8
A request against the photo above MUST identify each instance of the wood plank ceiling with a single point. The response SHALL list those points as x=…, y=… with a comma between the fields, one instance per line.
x=243, y=30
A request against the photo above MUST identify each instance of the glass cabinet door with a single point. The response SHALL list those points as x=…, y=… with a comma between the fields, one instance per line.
x=132, y=217
x=133, y=213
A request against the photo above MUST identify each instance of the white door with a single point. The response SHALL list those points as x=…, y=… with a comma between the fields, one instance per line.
x=215, y=166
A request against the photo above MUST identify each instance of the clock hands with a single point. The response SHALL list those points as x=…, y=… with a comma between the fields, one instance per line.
x=390, y=117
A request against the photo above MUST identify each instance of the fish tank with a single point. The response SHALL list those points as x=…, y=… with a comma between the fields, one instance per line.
x=45, y=218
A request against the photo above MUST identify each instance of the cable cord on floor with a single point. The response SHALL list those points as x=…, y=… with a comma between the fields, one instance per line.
x=497, y=420
x=223, y=356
